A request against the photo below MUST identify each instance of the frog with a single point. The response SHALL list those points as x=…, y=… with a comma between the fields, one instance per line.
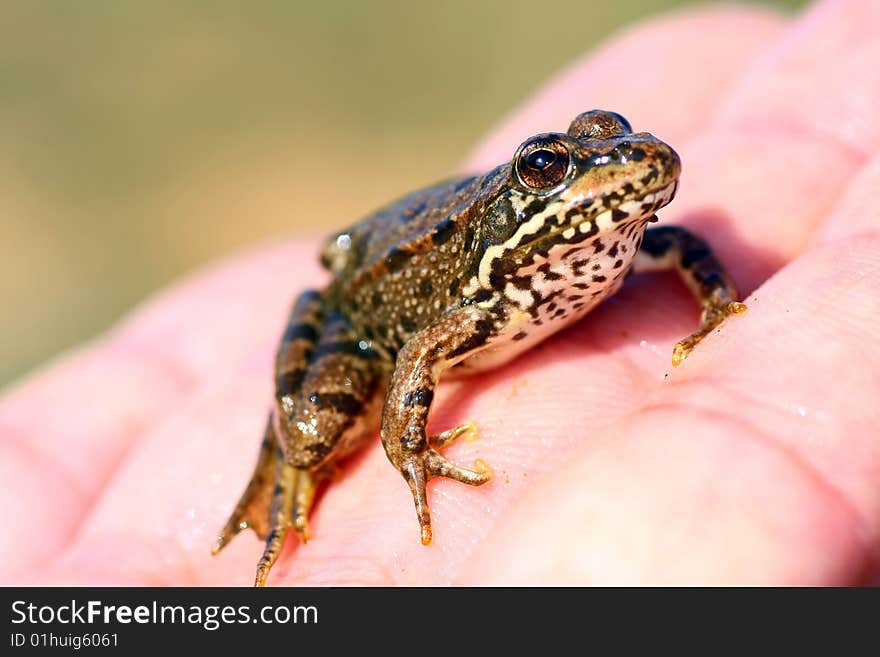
x=459, y=278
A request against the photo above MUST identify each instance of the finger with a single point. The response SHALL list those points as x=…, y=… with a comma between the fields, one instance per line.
x=808, y=356
x=673, y=498
x=805, y=368
x=666, y=76
x=821, y=79
x=857, y=214
x=787, y=142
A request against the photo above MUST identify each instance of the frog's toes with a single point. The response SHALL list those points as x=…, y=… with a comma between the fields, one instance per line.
x=712, y=317
x=438, y=466
x=229, y=532
x=420, y=468
x=736, y=308
x=283, y=500
x=468, y=430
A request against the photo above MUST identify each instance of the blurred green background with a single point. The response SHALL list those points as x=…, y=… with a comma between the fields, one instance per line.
x=139, y=139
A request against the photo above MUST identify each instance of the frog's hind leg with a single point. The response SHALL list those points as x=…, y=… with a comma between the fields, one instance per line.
x=278, y=494
x=332, y=408
x=674, y=247
x=335, y=407
x=252, y=510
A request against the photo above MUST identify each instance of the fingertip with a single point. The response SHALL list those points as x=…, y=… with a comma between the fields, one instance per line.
x=666, y=75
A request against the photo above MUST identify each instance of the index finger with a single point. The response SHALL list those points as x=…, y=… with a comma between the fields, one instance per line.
x=663, y=76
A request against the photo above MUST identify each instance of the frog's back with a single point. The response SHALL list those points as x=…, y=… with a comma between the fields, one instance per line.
x=371, y=244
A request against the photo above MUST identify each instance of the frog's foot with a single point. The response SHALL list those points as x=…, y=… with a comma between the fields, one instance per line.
x=421, y=467
x=277, y=498
x=713, y=315
x=292, y=502
x=279, y=518
x=252, y=510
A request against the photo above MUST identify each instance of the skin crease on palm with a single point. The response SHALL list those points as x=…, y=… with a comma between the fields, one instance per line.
x=755, y=462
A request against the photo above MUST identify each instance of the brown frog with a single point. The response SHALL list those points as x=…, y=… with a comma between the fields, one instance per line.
x=466, y=275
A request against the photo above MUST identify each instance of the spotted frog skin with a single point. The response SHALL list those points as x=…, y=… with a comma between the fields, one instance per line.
x=464, y=275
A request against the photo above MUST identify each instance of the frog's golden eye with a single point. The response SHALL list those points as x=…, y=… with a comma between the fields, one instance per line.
x=599, y=124
x=542, y=163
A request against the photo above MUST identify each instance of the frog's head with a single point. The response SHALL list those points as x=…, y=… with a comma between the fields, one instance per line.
x=568, y=190
x=599, y=162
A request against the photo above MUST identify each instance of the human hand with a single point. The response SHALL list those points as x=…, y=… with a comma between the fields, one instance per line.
x=756, y=461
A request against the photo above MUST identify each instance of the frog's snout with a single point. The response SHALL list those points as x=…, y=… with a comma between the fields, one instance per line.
x=659, y=157
x=673, y=161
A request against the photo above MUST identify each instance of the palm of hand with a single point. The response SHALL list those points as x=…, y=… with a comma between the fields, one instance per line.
x=758, y=461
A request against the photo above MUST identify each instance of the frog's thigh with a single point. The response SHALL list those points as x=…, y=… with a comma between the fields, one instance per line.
x=298, y=343
x=326, y=383
x=674, y=247
x=452, y=338
x=336, y=406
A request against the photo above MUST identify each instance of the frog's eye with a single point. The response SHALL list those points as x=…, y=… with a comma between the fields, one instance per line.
x=542, y=163
x=599, y=124
x=540, y=159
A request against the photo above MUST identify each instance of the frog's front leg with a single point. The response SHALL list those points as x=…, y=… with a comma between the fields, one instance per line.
x=455, y=336
x=674, y=247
